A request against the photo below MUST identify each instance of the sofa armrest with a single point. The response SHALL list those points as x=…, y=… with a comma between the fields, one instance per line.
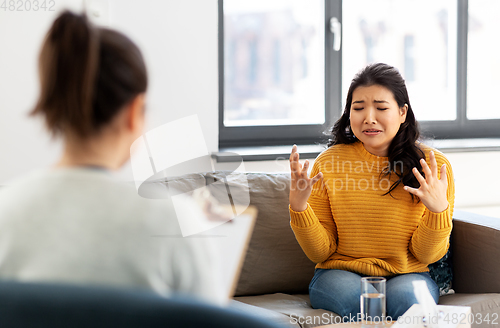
x=476, y=253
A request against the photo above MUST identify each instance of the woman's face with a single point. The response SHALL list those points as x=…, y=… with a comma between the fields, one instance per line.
x=375, y=118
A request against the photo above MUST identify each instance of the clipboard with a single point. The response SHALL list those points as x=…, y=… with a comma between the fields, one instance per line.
x=231, y=241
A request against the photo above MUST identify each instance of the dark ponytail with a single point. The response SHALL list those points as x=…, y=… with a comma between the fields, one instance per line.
x=87, y=74
x=403, y=148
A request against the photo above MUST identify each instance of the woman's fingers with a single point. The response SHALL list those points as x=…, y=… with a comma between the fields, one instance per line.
x=432, y=191
x=294, y=161
x=443, y=174
x=425, y=168
x=413, y=191
x=419, y=176
x=294, y=150
x=434, y=166
x=304, y=169
x=299, y=172
x=295, y=165
x=316, y=178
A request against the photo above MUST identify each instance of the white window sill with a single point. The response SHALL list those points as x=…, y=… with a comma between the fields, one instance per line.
x=266, y=153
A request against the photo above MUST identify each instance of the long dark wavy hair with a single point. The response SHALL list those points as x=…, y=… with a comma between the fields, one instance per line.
x=403, y=148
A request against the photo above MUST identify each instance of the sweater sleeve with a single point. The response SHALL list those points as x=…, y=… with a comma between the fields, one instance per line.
x=431, y=239
x=315, y=228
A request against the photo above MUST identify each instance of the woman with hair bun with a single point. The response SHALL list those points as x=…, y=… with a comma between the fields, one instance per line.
x=73, y=222
x=377, y=202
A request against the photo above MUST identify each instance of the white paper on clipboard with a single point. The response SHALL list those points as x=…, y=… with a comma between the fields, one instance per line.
x=231, y=241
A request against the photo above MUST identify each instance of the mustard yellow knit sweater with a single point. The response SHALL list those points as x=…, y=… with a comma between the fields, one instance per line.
x=349, y=225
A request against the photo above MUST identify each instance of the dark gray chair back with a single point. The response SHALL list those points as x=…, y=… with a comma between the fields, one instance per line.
x=57, y=305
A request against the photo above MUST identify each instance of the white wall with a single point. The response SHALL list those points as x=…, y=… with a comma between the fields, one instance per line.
x=24, y=145
x=179, y=42
x=477, y=181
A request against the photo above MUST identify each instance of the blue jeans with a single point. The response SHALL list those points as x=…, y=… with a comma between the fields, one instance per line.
x=339, y=291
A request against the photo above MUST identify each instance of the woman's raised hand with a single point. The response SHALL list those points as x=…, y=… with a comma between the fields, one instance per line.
x=432, y=191
x=300, y=184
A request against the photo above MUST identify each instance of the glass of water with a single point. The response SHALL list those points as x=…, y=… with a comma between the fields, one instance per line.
x=373, y=300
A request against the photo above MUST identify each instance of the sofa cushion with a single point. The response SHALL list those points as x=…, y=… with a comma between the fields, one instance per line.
x=165, y=187
x=296, y=308
x=274, y=261
x=263, y=313
x=484, y=307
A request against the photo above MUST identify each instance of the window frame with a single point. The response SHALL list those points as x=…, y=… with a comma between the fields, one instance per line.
x=274, y=135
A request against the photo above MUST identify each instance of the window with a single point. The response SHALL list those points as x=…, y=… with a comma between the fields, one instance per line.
x=275, y=64
x=417, y=37
x=273, y=81
x=483, y=67
x=285, y=65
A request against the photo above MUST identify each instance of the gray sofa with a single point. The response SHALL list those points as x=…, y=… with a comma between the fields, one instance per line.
x=276, y=273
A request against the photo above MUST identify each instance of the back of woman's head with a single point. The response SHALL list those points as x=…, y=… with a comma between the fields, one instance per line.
x=87, y=75
x=403, y=148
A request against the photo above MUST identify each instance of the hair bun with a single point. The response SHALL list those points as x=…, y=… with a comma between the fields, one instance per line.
x=87, y=75
x=73, y=25
x=71, y=53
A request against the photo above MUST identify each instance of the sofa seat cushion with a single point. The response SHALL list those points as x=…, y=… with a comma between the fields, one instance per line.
x=484, y=307
x=295, y=308
x=263, y=313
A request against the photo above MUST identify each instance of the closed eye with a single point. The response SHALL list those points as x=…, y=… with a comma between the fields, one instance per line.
x=382, y=108
x=358, y=108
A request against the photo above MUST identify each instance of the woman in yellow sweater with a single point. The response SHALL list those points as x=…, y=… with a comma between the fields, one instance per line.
x=377, y=202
